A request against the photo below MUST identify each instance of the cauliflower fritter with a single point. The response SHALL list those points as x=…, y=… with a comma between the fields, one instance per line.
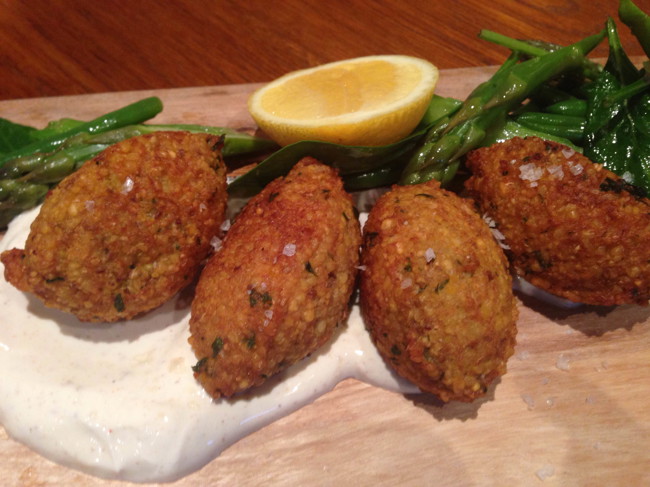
x=280, y=283
x=574, y=228
x=128, y=230
x=435, y=292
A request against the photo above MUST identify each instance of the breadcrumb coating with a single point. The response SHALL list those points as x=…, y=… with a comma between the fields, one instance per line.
x=573, y=228
x=435, y=292
x=280, y=283
x=128, y=230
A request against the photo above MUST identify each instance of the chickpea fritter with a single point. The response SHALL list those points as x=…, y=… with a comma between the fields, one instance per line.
x=280, y=284
x=128, y=230
x=435, y=292
x=574, y=228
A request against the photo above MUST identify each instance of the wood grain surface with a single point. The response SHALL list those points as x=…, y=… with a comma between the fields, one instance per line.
x=68, y=47
x=572, y=409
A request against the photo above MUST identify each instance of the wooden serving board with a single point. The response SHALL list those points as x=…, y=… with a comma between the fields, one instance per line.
x=572, y=409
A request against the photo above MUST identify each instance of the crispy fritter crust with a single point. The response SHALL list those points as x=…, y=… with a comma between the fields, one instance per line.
x=574, y=228
x=435, y=292
x=280, y=284
x=128, y=230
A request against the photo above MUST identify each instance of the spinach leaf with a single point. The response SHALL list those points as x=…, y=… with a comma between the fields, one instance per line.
x=14, y=135
x=617, y=132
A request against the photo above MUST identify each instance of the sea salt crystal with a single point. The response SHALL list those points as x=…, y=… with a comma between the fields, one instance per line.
x=429, y=255
x=496, y=233
x=406, y=283
x=362, y=267
x=530, y=172
x=500, y=238
x=289, y=250
x=628, y=177
x=568, y=152
x=127, y=186
x=90, y=205
x=225, y=226
x=575, y=168
x=556, y=171
x=215, y=242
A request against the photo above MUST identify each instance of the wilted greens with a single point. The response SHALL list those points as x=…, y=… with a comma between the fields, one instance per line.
x=32, y=160
x=542, y=89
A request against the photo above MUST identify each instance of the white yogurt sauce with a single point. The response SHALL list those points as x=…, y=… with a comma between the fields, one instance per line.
x=119, y=400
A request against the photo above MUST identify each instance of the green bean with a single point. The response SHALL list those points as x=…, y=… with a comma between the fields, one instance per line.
x=557, y=125
x=526, y=47
x=538, y=48
x=382, y=176
x=573, y=106
x=547, y=95
x=55, y=128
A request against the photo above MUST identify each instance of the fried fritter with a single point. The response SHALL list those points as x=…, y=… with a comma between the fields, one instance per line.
x=435, y=292
x=128, y=230
x=280, y=284
x=574, y=228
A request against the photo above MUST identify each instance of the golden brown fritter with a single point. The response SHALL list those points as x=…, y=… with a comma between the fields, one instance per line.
x=280, y=283
x=574, y=228
x=128, y=230
x=435, y=292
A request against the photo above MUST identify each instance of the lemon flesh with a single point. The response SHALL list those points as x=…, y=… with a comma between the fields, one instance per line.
x=374, y=100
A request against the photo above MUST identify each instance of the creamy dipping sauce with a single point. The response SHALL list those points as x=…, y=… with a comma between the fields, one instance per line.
x=120, y=401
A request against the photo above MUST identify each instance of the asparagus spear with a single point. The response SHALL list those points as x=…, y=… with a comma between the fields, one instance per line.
x=439, y=156
x=27, y=179
x=638, y=22
x=134, y=113
x=16, y=197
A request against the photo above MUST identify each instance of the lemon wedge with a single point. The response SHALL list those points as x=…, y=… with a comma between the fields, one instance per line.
x=367, y=101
